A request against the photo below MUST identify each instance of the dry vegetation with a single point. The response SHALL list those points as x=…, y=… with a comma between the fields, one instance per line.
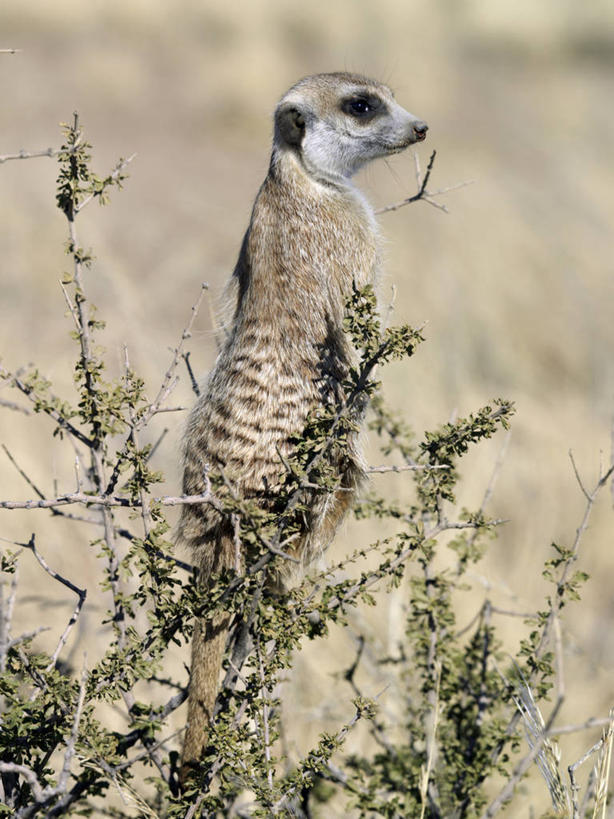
x=516, y=284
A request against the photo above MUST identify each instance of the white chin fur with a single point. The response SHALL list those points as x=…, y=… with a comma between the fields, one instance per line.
x=332, y=153
x=340, y=162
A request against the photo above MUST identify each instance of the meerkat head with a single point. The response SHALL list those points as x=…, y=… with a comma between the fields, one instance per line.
x=335, y=123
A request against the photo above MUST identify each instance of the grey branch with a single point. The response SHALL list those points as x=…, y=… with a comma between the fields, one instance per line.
x=417, y=196
x=28, y=775
x=15, y=407
x=113, y=176
x=81, y=594
x=6, y=617
x=169, y=381
x=403, y=468
x=424, y=194
x=104, y=501
x=64, y=423
x=28, y=154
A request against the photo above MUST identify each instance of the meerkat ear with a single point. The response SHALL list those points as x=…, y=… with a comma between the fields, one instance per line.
x=290, y=125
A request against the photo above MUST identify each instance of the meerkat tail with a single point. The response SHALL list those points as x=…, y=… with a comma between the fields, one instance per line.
x=208, y=645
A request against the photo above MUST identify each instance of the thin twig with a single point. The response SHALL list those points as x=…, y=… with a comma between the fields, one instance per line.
x=493, y=480
x=123, y=163
x=28, y=154
x=526, y=615
x=193, y=381
x=170, y=409
x=27, y=635
x=70, y=305
x=105, y=501
x=431, y=745
x=70, y=746
x=593, y=722
x=6, y=616
x=13, y=406
x=371, y=470
x=26, y=478
x=167, y=381
x=310, y=775
x=154, y=448
x=421, y=190
x=81, y=594
x=53, y=413
x=265, y=723
x=578, y=478
x=52, y=509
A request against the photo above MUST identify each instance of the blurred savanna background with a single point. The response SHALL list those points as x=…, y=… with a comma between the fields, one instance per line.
x=514, y=285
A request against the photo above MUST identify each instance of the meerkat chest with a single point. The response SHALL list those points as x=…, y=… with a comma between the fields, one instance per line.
x=307, y=236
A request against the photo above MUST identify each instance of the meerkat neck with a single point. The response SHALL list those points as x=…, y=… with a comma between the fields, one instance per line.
x=287, y=164
x=288, y=171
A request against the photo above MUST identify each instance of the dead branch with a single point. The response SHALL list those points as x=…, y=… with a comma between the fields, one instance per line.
x=28, y=154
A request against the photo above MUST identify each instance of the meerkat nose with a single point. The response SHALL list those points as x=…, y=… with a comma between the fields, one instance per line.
x=420, y=129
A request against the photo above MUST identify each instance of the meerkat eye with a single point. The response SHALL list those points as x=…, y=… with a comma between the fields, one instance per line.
x=360, y=107
x=363, y=107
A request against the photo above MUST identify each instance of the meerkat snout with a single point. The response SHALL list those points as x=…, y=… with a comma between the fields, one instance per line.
x=420, y=129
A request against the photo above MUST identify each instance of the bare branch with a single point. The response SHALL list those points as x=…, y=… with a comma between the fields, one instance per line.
x=52, y=509
x=123, y=163
x=578, y=478
x=13, y=406
x=70, y=305
x=105, y=501
x=265, y=723
x=593, y=722
x=431, y=742
x=371, y=470
x=28, y=775
x=27, y=479
x=339, y=737
x=6, y=617
x=168, y=381
x=493, y=479
x=29, y=154
x=64, y=423
x=70, y=746
x=193, y=381
x=421, y=190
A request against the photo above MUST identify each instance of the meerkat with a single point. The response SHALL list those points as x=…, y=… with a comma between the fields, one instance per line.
x=312, y=236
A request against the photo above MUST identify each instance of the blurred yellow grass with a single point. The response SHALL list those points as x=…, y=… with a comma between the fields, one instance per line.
x=516, y=284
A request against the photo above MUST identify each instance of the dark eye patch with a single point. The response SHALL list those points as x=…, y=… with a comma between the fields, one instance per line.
x=363, y=106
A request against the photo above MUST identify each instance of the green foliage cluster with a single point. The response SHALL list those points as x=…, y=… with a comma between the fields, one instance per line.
x=456, y=730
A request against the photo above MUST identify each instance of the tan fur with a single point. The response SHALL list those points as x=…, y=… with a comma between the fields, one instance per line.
x=311, y=236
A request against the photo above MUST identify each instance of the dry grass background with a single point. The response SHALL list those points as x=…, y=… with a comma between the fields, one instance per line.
x=516, y=283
